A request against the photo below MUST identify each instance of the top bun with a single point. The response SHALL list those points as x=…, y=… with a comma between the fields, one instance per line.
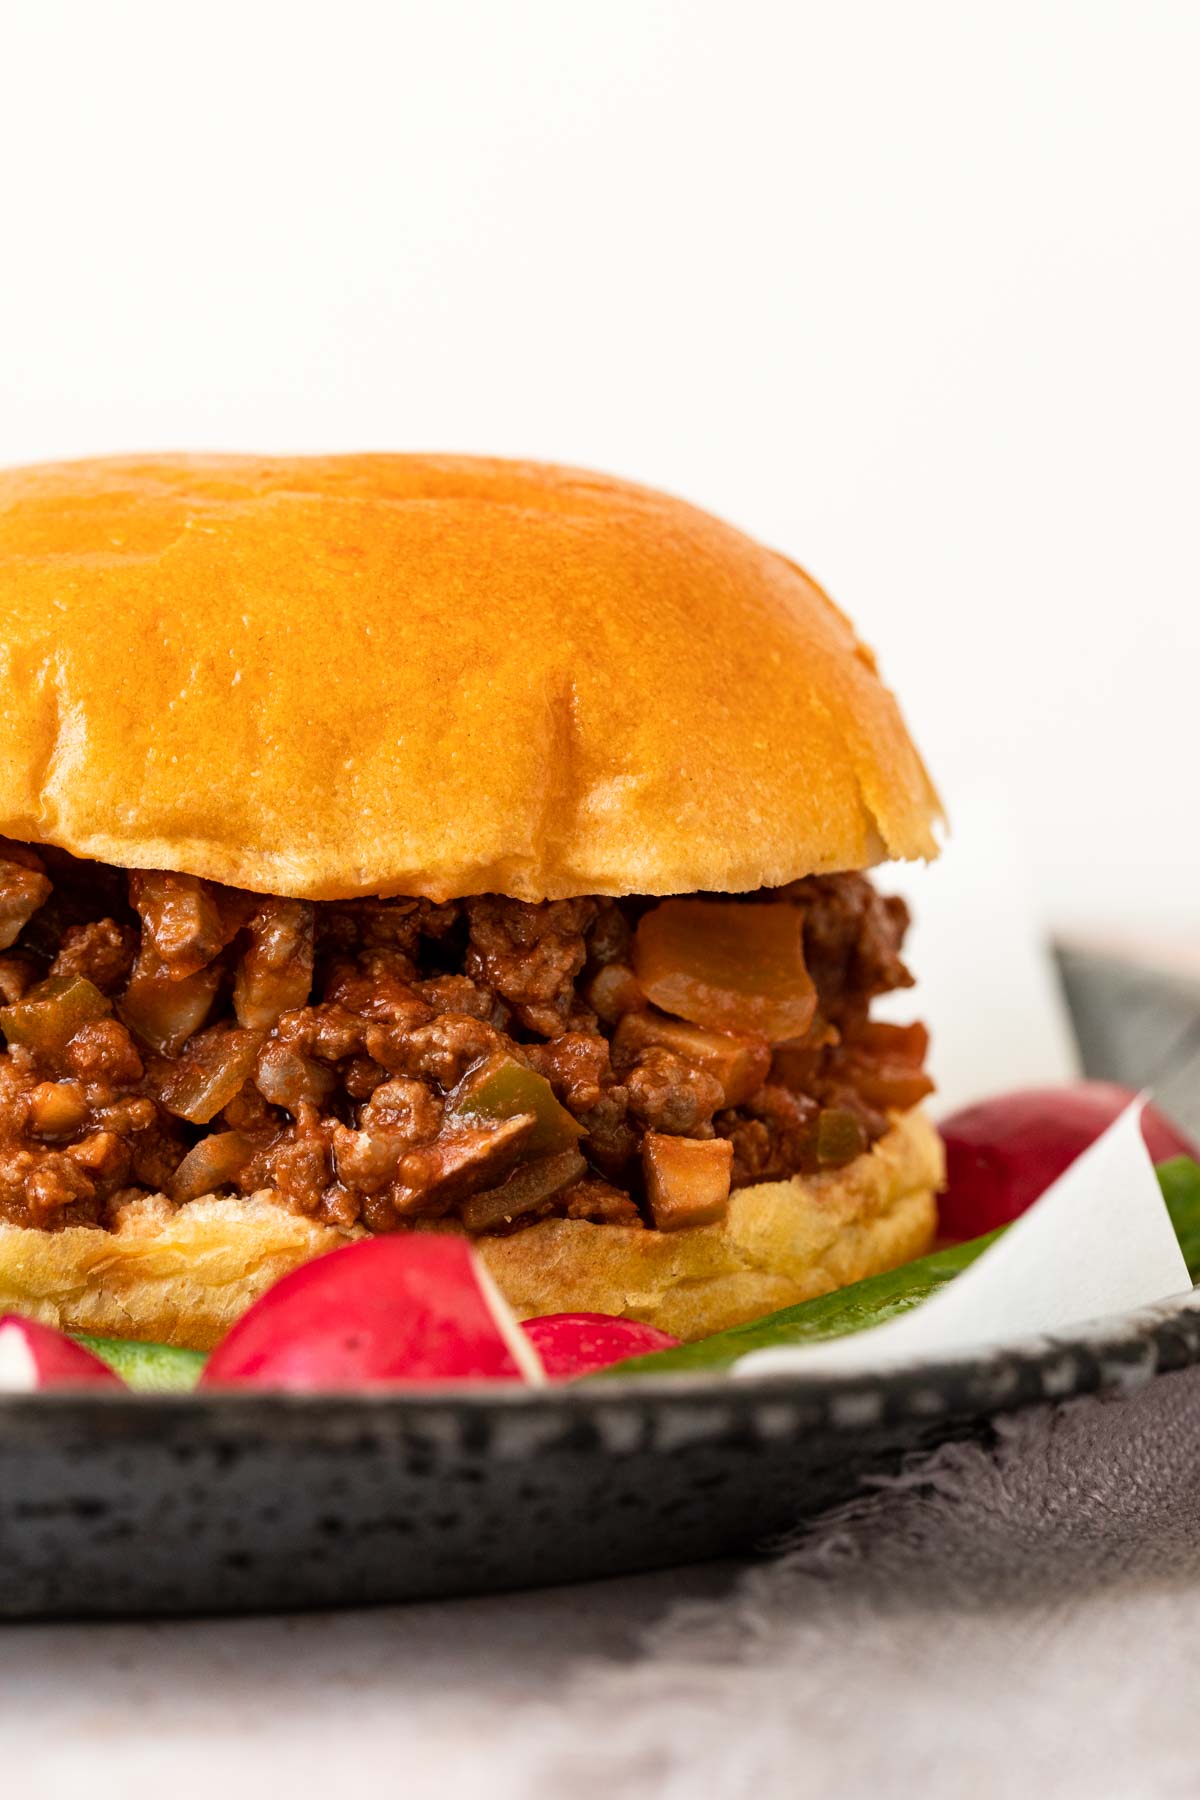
x=436, y=675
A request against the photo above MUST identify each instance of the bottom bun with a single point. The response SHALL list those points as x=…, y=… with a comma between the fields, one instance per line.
x=167, y=1277
x=183, y=1277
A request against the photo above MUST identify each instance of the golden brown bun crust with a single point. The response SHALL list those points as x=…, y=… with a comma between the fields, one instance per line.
x=186, y=1279
x=332, y=676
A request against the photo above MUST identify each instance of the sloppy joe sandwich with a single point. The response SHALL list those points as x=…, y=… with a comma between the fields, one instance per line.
x=400, y=843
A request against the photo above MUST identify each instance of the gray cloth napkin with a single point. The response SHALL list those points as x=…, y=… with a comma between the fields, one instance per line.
x=1020, y=1620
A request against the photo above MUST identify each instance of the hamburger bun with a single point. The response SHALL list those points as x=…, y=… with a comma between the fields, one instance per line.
x=332, y=676
x=184, y=1277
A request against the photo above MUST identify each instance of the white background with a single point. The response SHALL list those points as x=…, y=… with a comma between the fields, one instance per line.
x=910, y=291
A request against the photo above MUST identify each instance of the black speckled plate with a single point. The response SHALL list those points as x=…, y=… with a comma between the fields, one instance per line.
x=122, y=1504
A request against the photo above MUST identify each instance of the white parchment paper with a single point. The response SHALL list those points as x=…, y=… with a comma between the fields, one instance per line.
x=1098, y=1242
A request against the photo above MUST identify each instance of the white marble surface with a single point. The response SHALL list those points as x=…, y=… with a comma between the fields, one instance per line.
x=442, y=1700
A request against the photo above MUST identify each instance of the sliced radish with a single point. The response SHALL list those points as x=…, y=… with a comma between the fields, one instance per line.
x=576, y=1343
x=1003, y=1153
x=413, y=1308
x=36, y=1356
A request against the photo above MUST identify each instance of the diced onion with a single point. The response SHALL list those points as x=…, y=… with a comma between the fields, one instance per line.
x=727, y=966
x=165, y=1013
x=209, y=1073
x=215, y=1162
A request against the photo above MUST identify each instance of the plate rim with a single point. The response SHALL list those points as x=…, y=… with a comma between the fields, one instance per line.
x=1119, y=1352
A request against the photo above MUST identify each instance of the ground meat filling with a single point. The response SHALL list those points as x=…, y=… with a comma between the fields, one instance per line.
x=382, y=1063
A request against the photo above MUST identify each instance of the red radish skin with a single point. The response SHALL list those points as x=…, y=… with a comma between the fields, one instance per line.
x=33, y=1357
x=1003, y=1153
x=417, y=1308
x=572, y=1344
